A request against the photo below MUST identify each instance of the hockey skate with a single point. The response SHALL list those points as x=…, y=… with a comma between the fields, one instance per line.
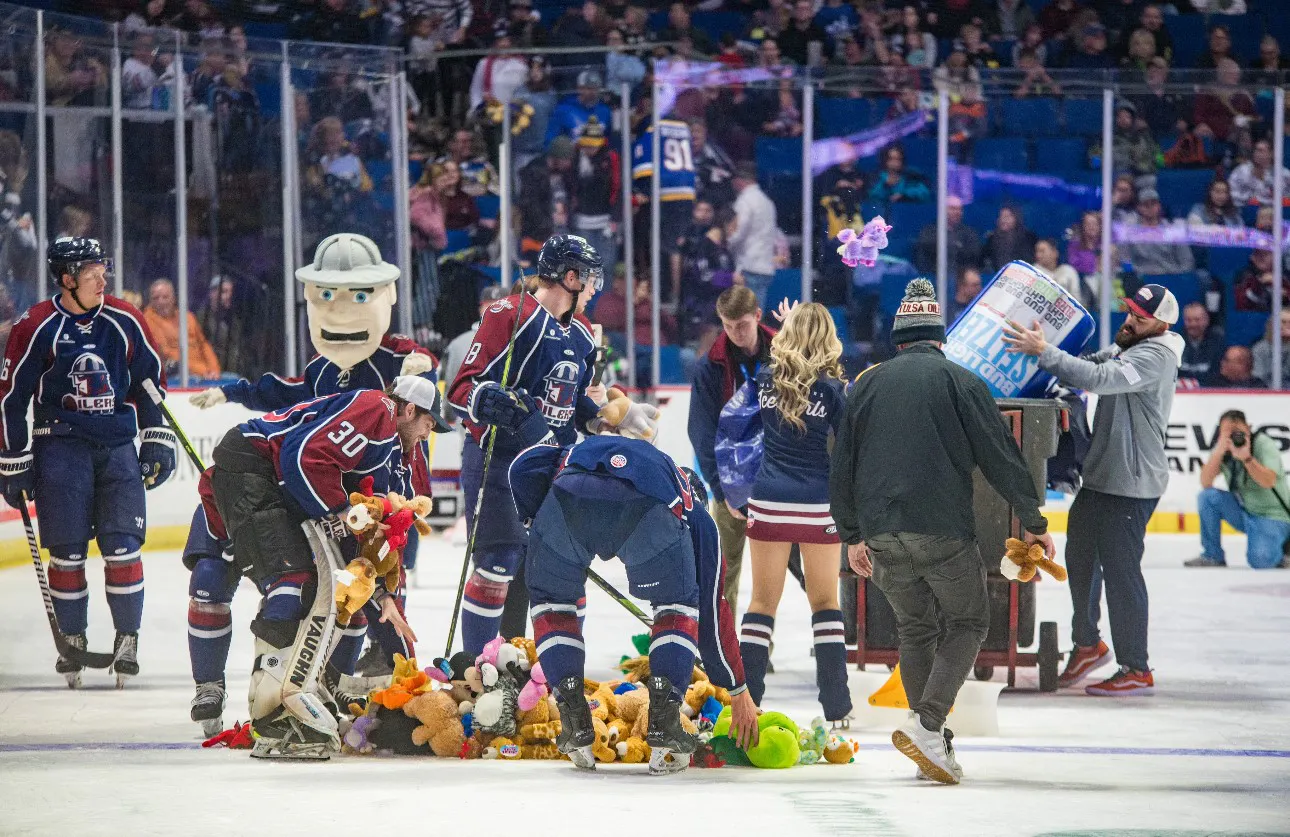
x=576, y=731
x=375, y=663
x=287, y=738
x=343, y=698
x=207, y=707
x=70, y=668
x=125, y=653
x=670, y=745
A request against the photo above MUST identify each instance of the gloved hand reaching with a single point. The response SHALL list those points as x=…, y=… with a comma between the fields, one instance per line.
x=207, y=398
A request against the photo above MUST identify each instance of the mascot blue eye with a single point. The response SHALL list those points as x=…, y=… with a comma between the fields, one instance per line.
x=361, y=296
x=327, y=294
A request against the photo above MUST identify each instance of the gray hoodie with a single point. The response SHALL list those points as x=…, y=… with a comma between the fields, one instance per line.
x=1135, y=390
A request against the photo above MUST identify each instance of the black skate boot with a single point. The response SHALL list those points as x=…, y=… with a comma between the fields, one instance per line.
x=69, y=668
x=375, y=663
x=125, y=652
x=207, y=707
x=670, y=745
x=576, y=731
x=344, y=700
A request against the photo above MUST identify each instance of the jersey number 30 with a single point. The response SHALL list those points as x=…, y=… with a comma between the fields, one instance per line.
x=351, y=443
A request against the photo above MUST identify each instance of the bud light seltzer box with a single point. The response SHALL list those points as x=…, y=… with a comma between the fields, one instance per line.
x=1018, y=292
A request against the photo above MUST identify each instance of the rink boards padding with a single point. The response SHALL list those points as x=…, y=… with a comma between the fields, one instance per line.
x=1193, y=427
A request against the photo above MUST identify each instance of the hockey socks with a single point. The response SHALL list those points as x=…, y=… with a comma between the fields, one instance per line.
x=673, y=643
x=210, y=631
x=481, y=608
x=67, y=586
x=831, y=664
x=754, y=647
x=559, y=641
x=350, y=645
x=123, y=577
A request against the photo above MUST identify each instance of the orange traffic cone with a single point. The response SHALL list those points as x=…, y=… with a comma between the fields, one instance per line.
x=892, y=693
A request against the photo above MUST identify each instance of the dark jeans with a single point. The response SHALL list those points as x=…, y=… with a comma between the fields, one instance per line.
x=1104, y=543
x=930, y=579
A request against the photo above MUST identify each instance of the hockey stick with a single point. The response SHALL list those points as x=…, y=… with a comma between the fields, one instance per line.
x=627, y=603
x=483, y=477
x=151, y=388
x=88, y=659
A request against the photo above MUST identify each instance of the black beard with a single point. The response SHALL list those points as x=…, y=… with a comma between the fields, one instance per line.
x=1126, y=339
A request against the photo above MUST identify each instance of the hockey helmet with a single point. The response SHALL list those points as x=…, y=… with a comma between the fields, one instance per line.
x=67, y=255
x=563, y=253
x=348, y=260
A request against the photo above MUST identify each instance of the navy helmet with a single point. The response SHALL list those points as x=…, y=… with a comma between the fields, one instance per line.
x=68, y=255
x=563, y=253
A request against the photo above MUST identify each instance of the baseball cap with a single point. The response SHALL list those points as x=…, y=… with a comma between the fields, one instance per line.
x=590, y=78
x=1148, y=194
x=1154, y=301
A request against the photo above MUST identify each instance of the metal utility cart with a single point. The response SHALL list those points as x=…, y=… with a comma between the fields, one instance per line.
x=1036, y=424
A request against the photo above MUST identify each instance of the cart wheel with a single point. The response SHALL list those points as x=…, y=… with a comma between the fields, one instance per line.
x=891, y=666
x=983, y=672
x=1048, y=656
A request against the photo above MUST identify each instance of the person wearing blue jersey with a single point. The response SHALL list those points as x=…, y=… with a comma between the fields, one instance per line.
x=802, y=397
x=608, y=496
x=83, y=357
x=676, y=195
x=551, y=355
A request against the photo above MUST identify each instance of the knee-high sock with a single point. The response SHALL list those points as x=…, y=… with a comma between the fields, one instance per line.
x=754, y=646
x=210, y=631
x=831, y=664
x=674, y=641
x=485, y=595
x=350, y=646
x=559, y=641
x=123, y=577
x=67, y=586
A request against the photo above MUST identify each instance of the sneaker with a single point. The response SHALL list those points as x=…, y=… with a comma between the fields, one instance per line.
x=955, y=768
x=926, y=748
x=1126, y=681
x=1204, y=561
x=1081, y=662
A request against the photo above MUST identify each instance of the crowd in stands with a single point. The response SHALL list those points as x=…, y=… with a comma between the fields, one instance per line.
x=743, y=226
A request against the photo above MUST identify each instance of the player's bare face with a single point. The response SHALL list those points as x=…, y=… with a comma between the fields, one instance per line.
x=585, y=295
x=91, y=284
x=414, y=427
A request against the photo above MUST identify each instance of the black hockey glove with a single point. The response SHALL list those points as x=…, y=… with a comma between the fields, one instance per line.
x=157, y=456
x=16, y=477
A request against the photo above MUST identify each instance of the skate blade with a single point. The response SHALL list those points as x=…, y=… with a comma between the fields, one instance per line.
x=930, y=769
x=121, y=680
x=842, y=723
x=272, y=749
x=663, y=762
x=212, y=727
x=582, y=758
x=73, y=679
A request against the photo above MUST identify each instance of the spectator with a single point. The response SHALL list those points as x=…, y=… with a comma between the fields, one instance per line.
x=1048, y=260
x=795, y=41
x=1263, y=220
x=1257, y=499
x=209, y=72
x=1142, y=48
x=198, y=17
x=1151, y=19
x=429, y=239
x=1217, y=208
x=636, y=31
x=1032, y=39
x=1134, y=150
x=680, y=24
x=225, y=324
x=621, y=67
x=1035, y=79
x=1090, y=53
x=341, y=97
x=526, y=30
x=713, y=167
x=961, y=81
x=1010, y=240
x=330, y=156
x=773, y=19
x=537, y=93
x=707, y=270
x=162, y=316
x=597, y=186
x=151, y=14
x=979, y=53
x=1010, y=19
x=1155, y=259
x=753, y=240
x=785, y=117
x=425, y=42
x=894, y=183
x=478, y=176
x=1220, y=48
x=137, y=76
x=1225, y=111
x=8, y=315
x=962, y=244
x=1269, y=68
x=1121, y=18
x=1251, y=181
x=74, y=222
x=453, y=17
x=1057, y=18
x=1158, y=107
x=1235, y=371
x=332, y=21
x=546, y=183
x=1220, y=7
x=460, y=214
x=571, y=115
x=911, y=41
x=1124, y=198
x=1202, y=343
x=1253, y=285
x=837, y=19
x=965, y=290
x=72, y=76
x=1262, y=352
x=499, y=74
x=1084, y=244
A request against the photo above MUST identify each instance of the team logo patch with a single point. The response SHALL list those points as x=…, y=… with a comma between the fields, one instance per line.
x=832, y=530
x=618, y=460
x=91, y=386
x=500, y=305
x=561, y=389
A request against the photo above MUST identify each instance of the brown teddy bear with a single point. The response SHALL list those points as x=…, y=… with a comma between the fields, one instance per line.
x=696, y=696
x=600, y=748
x=381, y=525
x=440, y=724
x=633, y=750
x=354, y=586
x=1023, y=561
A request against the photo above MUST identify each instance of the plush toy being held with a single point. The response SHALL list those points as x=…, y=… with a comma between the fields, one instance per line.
x=862, y=248
x=1023, y=561
x=354, y=586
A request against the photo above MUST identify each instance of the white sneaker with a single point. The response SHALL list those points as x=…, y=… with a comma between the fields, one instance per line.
x=926, y=749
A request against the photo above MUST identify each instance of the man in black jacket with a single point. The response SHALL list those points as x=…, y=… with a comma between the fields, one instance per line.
x=900, y=490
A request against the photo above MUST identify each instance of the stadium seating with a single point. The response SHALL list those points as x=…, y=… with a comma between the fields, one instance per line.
x=1001, y=153
x=1027, y=117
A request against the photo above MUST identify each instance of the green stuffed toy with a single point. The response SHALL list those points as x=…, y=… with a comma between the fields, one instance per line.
x=777, y=745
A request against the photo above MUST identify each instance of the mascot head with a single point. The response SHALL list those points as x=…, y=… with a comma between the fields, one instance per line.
x=350, y=293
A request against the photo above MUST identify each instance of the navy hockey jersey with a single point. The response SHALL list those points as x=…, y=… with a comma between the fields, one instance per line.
x=676, y=179
x=653, y=474
x=85, y=371
x=795, y=463
x=552, y=363
x=323, y=447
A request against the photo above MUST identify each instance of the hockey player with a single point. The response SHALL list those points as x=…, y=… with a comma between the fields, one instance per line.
x=552, y=359
x=270, y=475
x=84, y=356
x=608, y=496
x=350, y=293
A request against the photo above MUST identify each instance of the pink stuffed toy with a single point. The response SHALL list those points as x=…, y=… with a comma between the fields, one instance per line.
x=863, y=248
x=534, y=691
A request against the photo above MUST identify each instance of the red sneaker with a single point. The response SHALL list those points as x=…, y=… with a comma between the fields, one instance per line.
x=1081, y=661
x=1126, y=681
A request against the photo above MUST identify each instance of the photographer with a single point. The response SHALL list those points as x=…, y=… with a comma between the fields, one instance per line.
x=1256, y=501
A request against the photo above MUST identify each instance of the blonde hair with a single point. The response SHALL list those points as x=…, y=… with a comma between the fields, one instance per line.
x=805, y=350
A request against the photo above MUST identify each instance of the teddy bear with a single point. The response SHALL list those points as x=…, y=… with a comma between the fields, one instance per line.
x=547, y=752
x=402, y=690
x=633, y=750
x=862, y=248
x=354, y=586
x=633, y=709
x=1022, y=561
x=502, y=748
x=458, y=676
x=600, y=748
x=535, y=690
x=602, y=700
x=696, y=696
x=440, y=725
x=529, y=647
x=812, y=742
x=358, y=738
x=841, y=750
x=381, y=525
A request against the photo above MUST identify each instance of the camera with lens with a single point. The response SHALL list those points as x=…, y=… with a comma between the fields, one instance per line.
x=1239, y=438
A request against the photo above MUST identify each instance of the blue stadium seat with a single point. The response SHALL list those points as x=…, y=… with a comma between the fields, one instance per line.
x=1250, y=215
x=718, y=23
x=787, y=284
x=1084, y=117
x=415, y=168
x=839, y=117
x=981, y=215
x=1180, y=188
x=1059, y=156
x=1246, y=31
x=669, y=365
x=1226, y=262
x=1191, y=38
x=1050, y=219
x=275, y=31
x=381, y=172
x=1245, y=328
x=920, y=154
x=839, y=314
x=489, y=205
x=908, y=218
x=1000, y=153
x=269, y=95
x=1029, y=118
x=457, y=240
x=1185, y=286
x=778, y=154
x=878, y=109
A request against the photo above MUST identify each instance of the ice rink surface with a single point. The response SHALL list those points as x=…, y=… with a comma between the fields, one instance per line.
x=1209, y=753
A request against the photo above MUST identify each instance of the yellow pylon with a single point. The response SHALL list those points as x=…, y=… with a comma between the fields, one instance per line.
x=892, y=693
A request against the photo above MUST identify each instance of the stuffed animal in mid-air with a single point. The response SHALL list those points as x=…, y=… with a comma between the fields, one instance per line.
x=862, y=248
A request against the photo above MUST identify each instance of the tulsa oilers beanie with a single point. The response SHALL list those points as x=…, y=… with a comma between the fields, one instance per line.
x=919, y=315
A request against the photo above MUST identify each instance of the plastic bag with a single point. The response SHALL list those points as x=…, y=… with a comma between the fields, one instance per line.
x=739, y=444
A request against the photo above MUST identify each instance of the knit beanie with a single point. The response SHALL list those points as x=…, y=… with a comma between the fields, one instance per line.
x=919, y=315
